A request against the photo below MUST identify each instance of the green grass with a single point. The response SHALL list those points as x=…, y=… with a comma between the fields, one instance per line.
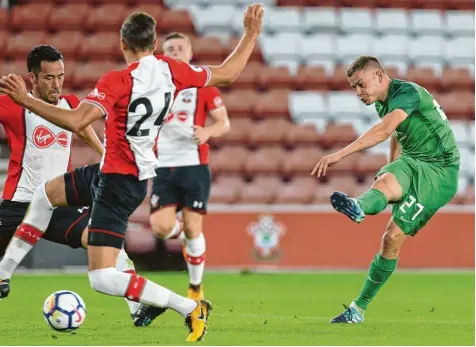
x=260, y=309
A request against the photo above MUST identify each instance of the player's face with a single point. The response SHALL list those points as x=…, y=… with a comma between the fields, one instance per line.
x=367, y=84
x=178, y=49
x=48, y=84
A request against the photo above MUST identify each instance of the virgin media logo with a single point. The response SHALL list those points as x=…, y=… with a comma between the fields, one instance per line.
x=44, y=137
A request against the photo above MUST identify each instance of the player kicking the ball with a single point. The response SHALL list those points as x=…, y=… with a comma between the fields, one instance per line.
x=421, y=177
x=135, y=101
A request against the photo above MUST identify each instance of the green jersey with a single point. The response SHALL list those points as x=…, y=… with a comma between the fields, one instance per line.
x=425, y=134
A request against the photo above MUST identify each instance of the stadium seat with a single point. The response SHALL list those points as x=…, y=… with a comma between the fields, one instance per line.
x=467, y=5
x=391, y=21
x=467, y=162
x=70, y=16
x=459, y=51
x=270, y=182
x=357, y=3
x=18, y=45
x=338, y=135
x=25, y=17
x=282, y=19
x=323, y=3
x=321, y=20
x=256, y=55
x=458, y=105
x=311, y=78
x=318, y=46
x=370, y=163
x=429, y=4
x=100, y=46
x=461, y=132
x=3, y=40
x=264, y=160
x=281, y=46
x=392, y=47
x=253, y=193
x=67, y=42
x=221, y=162
x=301, y=161
x=240, y=128
x=344, y=181
x=88, y=74
x=426, y=49
x=213, y=19
x=99, y=18
x=339, y=79
x=224, y=193
x=360, y=124
x=3, y=18
x=405, y=4
x=208, y=48
x=268, y=132
x=299, y=191
x=301, y=134
x=273, y=103
x=343, y=104
x=150, y=7
x=425, y=77
x=351, y=46
x=426, y=22
x=307, y=105
x=176, y=20
x=275, y=77
x=460, y=23
x=457, y=79
x=240, y=102
x=14, y=66
x=356, y=20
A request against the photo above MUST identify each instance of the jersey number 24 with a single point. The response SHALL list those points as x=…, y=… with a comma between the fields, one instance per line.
x=149, y=111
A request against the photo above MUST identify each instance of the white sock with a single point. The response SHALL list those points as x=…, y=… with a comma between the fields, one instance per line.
x=28, y=233
x=354, y=305
x=124, y=264
x=176, y=231
x=196, y=258
x=110, y=281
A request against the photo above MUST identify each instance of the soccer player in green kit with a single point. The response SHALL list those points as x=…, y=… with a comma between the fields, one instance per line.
x=421, y=177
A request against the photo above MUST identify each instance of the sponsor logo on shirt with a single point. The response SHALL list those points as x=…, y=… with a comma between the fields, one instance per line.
x=44, y=137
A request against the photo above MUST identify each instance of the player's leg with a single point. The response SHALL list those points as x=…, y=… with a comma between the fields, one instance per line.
x=381, y=268
x=116, y=199
x=163, y=205
x=391, y=182
x=195, y=184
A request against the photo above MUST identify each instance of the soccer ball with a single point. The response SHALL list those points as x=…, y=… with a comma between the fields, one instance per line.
x=64, y=310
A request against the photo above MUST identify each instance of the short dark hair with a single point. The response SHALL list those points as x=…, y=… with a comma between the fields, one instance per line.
x=176, y=35
x=138, y=31
x=361, y=63
x=41, y=53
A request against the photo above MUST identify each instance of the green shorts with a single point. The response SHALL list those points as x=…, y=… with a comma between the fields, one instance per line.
x=426, y=188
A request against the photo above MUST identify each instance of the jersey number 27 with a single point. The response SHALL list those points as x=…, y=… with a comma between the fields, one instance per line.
x=149, y=111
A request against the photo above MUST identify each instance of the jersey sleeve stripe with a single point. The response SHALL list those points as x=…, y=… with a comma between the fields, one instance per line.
x=97, y=104
x=209, y=75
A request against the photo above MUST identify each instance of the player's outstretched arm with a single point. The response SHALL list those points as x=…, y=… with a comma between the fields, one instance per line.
x=231, y=68
x=89, y=136
x=377, y=134
x=74, y=120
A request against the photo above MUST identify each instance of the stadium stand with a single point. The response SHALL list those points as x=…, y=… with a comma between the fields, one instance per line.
x=292, y=103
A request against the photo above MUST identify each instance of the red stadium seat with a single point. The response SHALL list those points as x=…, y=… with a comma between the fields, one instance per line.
x=240, y=129
x=323, y=3
x=15, y=66
x=25, y=17
x=268, y=132
x=345, y=166
x=339, y=80
x=70, y=16
x=3, y=18
x=430, y=4
x=342, y=182
x=88, y=74
x=301, y=161
x=3, y=40
x=256, y=55
x=299, y=191
x=208, y=48
x=273, y=103
x=100, y=46
x=458, y=105
x=293, y=3
x=240, y=102
x=338, y=135
x=176, y=20
x=230, y=159
x=249, y=76
x=18, y=45
x=405, y=4
x=466, y=5
x=268, y=181
x=457, y=79
x=302, y=134
x=424, y=77
x=275, y=77
x=151, y=8
x=265, y=160
x=311, y=78
x=100, y=19
x=357, y=3
x=225, y=193
x=256, y=194
x=67, y=42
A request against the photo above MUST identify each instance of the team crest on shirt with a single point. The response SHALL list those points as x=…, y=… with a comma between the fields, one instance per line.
x=187, y=96
x=44, y=137
x=154, y=200
x=267, y=234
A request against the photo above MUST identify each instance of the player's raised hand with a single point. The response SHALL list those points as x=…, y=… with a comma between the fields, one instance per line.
x=200, y=134
x=253, y=20
x=14, y=86
x=324, y=163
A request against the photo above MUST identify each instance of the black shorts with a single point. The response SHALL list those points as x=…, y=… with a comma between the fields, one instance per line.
x=81, y=185
x=66, y=226
x=183, y=186
x=115, y=198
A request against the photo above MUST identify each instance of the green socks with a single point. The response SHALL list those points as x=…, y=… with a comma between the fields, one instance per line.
x=372, y=202
x=379, y=272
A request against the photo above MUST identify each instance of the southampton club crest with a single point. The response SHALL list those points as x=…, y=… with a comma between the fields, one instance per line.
x=266, y=233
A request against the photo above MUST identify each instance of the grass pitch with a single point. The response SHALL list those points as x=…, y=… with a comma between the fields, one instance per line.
x=259, y=309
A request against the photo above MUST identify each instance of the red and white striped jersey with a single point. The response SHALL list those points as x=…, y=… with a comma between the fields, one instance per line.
x=175, y=145
x=39, y=150
x=136, y=101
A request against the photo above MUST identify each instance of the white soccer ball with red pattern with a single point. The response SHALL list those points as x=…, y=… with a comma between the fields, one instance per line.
x=64, y=310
